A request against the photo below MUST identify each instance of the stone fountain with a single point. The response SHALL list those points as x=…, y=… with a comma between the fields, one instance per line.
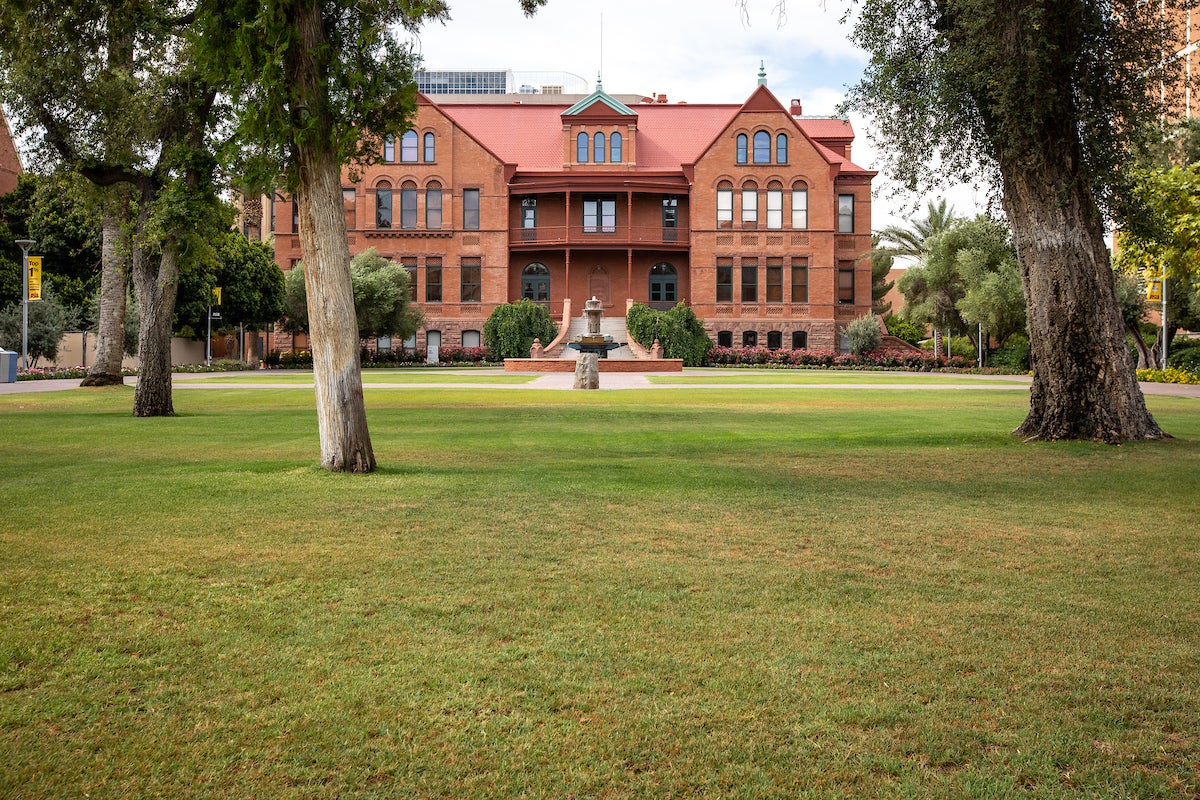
x=593, y=341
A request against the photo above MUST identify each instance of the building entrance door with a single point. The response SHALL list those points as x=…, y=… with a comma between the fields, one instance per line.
x=664, y=287
x=535, y=283
x=599, y=285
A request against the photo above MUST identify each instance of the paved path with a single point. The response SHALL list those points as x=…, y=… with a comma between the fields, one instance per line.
x=609, y=380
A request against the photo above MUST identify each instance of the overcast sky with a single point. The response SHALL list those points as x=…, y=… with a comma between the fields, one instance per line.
x=699, y=51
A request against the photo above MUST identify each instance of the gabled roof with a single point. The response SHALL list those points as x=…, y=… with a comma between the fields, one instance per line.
x=528, y=137
x=599, y=96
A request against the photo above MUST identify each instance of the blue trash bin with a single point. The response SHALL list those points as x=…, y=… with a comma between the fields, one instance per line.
x=8, y=366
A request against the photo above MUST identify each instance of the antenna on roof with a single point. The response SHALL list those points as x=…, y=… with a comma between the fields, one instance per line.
x=600, y=74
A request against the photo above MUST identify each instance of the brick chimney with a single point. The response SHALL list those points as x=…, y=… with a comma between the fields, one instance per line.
x=796, y=110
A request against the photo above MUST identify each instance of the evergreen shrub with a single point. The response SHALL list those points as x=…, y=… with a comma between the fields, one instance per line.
x=511, y=328
x=679, y=331
x=863, y=333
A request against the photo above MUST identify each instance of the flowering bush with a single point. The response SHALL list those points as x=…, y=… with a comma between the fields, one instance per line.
x=1168, y=375
x=453, y=354
x=875, y=359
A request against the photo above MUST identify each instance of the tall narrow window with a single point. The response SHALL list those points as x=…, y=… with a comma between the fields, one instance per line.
x=743, y=148
x=774, y=280
x=433, y=279
x=749, y=280
x=408, y=147
x=428, y=156
x=348, y=208
x=774, y=205
x=433, y=206
x=781, y=149
x=799, y=280
x=845, y=283
x=598, y=148
x=762, y=147
x=389, y=148
x=582, y=142
x=845, y=213
x=750, y=205
x=383, y=205
x=529, y=219
x=295, y=215
x=410, y=266
x=469, y=282
x=724, y=204
x=724, y=280
x=408, y=205
x=799, y=206
x=614, y=148
x=670, y=219
x=470, y=209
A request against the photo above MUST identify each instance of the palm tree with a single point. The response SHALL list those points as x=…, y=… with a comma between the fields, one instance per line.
x=913, y=241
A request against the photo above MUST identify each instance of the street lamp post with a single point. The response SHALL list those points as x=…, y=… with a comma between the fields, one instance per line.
x=25, y=244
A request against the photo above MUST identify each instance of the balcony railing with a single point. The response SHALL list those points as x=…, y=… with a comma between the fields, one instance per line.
x=599, y=235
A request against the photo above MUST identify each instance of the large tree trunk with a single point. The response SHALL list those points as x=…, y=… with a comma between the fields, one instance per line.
x=156, y=282
x=333, y=329
x=114, y=257
x=1084, y=385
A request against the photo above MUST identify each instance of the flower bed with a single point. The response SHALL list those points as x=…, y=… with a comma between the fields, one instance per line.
x=826, y=359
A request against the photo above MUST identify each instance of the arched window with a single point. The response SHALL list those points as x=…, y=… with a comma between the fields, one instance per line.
x=581, y=148
x=614, y=148
x=383, y=205
x=664, y=284
x=433, y=205
x=389, y=148
x=762, y=148
x=724, y=204
x=598, y=148
x=781, y=149
x=428, y=156
x=800, y=205
x=408, y=147
x=408, y=205
x=774, y=205
x=750, y=205
x=535, y=283
x=743, y=149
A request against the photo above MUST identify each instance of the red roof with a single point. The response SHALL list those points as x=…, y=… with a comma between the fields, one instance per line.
x=529, y=137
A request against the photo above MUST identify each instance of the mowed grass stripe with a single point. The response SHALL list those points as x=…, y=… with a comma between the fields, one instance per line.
x=686, y=593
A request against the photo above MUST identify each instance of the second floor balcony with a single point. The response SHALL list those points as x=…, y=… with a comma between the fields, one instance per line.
x=599, y=235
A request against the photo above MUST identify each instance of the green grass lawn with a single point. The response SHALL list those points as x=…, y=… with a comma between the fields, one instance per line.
x=743, y=375
x=369, y=376
x=711, y=593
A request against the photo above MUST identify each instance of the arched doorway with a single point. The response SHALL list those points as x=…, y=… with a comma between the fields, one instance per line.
x=664, y=286
x=535, y=283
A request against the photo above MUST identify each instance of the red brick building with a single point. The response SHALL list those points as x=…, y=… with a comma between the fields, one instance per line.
x=751, y=213
x=10, y=160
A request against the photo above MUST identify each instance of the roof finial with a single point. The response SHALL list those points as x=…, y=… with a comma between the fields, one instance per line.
x=762, y=73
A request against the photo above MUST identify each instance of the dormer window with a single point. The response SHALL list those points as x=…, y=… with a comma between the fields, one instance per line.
x=582, y=143
x=598, y=148
x=614, y=148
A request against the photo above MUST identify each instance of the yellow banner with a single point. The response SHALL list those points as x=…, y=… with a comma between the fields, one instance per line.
x=216, y=295
x=35, y=278
x=1154, y=291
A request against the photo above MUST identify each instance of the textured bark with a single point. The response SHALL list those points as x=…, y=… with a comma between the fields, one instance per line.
x=1084, y=384
x=333, y=329
x=114, y=259
x=156, y=282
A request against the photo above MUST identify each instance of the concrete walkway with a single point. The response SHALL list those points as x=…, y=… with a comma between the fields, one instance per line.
x=608, y=381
